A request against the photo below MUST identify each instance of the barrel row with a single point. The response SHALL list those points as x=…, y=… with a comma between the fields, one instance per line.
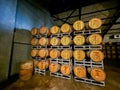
x=93, y=39
x=95, y=55
x=78, y=25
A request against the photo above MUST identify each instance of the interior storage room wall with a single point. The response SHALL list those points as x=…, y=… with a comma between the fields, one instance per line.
x=17, y=19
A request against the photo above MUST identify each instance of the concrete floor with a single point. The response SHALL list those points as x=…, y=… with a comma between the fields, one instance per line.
x=40, y=82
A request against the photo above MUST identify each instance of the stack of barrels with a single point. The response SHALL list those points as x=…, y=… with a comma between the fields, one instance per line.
x=70, y=39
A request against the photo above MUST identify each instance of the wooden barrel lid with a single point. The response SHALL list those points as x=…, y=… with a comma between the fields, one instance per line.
x=78, y=25
x=55, y=30
x=54, y=53
x=54, y=67
x=79, y=40
x=54, y=41
x=95, y=23
x=34, y=52
x=43, y=53
x=27, y=64
x=41, y=65
x=94, y=39
x=79, y=55
x=98, y=74
x=96, y=55
x=34, y=41
x=65, y=69
x=66, y=28
x=43, y=30
x=34, y=31
x=66, y=54
x=80, y=71
x=65, y=40
x=43, y=41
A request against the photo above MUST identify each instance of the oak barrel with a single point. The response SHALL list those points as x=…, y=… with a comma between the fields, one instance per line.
x=54, y=67
x=43, y=30
x=66, y=54
x=96, y=55
x=34, y=52
x=66, y=40
x=94, y=23
x=80, y=71
x=54, y=30
x=66, y=28
x=34, y=41
x=65, y=69
x=26, y=70
x=43, y=53
x=97, y=74
x=78, y=25
x=34, y=31
x=44, y=64
x=79, y=54
x=54, y=41
x=79, y=39
x=43, y=41
x=94, y=39
x=54, y=53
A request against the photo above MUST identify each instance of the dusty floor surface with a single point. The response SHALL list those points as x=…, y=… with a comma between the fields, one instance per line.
x=40, y=82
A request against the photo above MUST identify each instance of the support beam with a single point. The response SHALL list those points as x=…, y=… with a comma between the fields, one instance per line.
x=112, y=21
x=91, y=12
x=60, y=19
x=69, y=16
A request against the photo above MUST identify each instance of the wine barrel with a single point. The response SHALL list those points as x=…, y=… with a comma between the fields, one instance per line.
x=34, y=53
x=54, y=30
x=66, y=54
x=94, y=39
x=79, y=40
x=43, y=53
x=26, y=70
x=66, y=28
x=43, y=41
x=97, y=74
x=65, y=69
x=78, y=25
x=35, y=62
x=79, y=54
x=43, y=30
x=66, y=40
x=34, y=41
x=44, y=64
x=54, y=67
x=34, y=31
x=96, y=55
x=54, y=53
x=54, y=41
x=94, y=23
x=80, y=71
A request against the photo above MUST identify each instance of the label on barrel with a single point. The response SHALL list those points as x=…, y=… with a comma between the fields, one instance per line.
x=79, y=40
x=54, y=53
x=53, y=68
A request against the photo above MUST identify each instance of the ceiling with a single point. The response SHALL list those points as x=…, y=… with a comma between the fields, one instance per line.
x=59, y=6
